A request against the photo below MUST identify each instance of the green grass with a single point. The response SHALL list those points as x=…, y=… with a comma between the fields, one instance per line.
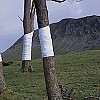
x=79, y=70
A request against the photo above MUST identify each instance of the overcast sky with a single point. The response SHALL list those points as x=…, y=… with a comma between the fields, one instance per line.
x=11, y=27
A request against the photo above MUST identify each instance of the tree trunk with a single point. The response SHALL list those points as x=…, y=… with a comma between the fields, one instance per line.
x=2, y=82
x=28, y=24
x=26, y=66
x=42, y=13
x=53, y=90
x=52, y=87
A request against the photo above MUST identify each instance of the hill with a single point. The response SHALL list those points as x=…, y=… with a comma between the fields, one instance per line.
x=80, y=71
x=68, y=35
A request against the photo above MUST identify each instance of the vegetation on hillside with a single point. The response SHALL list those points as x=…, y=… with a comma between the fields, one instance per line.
x=78, y=70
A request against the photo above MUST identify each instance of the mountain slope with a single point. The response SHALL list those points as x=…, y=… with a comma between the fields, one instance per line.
x=68, y=35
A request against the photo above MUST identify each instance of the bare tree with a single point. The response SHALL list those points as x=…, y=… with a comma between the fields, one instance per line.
x=28, y=24
x=52, y=87
x=2, y=82
x=48, y=62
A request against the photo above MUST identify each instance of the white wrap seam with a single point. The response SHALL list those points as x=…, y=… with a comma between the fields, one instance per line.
x=46, y=42
x=27, y=44
x=0, y=58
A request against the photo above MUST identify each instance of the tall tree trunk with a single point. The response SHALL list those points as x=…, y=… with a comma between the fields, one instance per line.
x=28, y=24
x=52, y=87
x=2, y=82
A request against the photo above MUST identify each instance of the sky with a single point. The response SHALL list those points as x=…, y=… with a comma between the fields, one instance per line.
x=11, y=28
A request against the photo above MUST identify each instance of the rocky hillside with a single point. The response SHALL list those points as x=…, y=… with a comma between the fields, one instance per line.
x=68, y=35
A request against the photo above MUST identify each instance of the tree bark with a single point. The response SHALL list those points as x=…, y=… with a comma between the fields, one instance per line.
x=28, y=24
x=2, y=82
x=26, y=66
x=42, y=13
x=52, y=87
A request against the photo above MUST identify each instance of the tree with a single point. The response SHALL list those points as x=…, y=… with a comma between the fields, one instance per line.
x=52, y=87
x=28, y=24
x=48, y=61
x=2, y=82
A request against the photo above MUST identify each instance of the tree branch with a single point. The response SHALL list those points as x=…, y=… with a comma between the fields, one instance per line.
x=32, y=13
x=20, y=19
x=32, y=8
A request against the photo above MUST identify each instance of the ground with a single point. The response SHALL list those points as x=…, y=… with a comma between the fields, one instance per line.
x=78, y=70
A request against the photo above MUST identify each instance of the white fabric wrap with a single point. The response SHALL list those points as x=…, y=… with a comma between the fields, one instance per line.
x=27, y=44
x=0, y=58
x=46, y=42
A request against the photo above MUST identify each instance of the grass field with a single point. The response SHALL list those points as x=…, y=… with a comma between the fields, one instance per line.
x=79, y=70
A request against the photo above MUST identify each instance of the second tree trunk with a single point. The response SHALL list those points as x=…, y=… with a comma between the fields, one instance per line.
x=52, y=87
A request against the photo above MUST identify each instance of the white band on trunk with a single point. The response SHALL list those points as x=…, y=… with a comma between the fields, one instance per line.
x=0, y=58
x=27, y=44
x=46, y=42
